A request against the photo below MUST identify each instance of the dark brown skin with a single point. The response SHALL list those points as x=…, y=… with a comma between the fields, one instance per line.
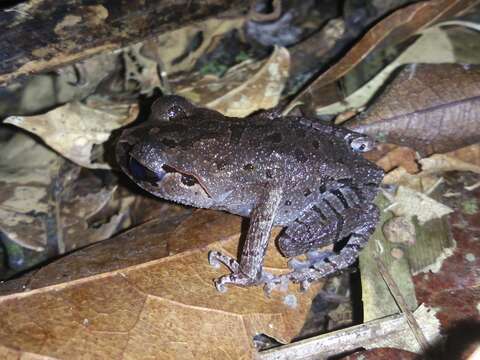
x=288, y=171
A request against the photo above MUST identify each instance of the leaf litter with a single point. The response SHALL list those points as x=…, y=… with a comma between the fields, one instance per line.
x=152, y=284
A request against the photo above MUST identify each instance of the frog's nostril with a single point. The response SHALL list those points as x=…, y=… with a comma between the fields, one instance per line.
x=140, y=172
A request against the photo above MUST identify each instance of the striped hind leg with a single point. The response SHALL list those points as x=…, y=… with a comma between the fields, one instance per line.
x=357, y=225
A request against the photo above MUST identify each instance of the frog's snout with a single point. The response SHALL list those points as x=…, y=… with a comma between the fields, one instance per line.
x=142, y=173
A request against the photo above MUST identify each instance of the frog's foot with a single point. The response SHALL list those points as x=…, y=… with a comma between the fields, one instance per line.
x=216, y=258
x=333, y=264
x=236, y=278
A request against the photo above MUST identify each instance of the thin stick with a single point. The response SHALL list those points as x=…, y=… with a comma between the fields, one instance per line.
x=402, y=304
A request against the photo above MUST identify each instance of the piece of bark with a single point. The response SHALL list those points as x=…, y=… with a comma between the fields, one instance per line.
x=39, y=36
x=376, y=296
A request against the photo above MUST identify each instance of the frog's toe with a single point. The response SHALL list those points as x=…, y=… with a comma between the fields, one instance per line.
x=215, y=258
x=219, y=285
x=316, y=256
x=296, y=264
x=237, y=279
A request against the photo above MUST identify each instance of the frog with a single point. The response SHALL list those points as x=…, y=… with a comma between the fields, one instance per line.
x=302, y=174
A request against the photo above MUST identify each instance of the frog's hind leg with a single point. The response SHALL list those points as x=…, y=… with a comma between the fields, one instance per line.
x=357, y=225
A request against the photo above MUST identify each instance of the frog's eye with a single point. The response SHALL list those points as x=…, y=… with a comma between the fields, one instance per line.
x=361, y=144
x=188, y=180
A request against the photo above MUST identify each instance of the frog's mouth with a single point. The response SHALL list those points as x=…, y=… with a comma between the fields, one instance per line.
x=153, y=177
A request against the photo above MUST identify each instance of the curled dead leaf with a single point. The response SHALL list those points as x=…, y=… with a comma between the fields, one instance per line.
x=74, y=129
x=245, y=88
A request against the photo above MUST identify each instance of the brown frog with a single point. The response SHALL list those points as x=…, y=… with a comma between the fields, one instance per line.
x=291, y=171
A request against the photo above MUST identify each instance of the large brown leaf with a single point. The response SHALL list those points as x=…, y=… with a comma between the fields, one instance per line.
x=422, y=108
x=151, y=306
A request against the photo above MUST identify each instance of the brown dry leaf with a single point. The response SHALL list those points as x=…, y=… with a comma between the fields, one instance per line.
x=245, y=88
x=399, y=157
x=423, y=109
x=75, y=129
x=180, y=231
x=465, y=159
x=155, y=309
x=392, y=30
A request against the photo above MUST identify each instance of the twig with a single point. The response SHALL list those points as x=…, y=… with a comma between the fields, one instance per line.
x=391, y=331
x=402, y=304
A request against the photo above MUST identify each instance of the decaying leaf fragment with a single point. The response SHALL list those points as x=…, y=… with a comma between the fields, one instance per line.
x=464, y=159
x=409, y=203
x=245, y=88
x=47, y=200
x=74, y=129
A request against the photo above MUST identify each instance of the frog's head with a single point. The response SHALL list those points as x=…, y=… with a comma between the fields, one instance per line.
x=160, y=156
x=159, y=165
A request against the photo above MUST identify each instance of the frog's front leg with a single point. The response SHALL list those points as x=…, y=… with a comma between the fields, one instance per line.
x=249, y=271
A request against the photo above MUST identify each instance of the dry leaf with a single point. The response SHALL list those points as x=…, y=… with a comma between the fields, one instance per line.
x=26, y=172
x=465, y=159
x=245, y=88
x=423, y=109
x=174, y=47
x=399, y=157
x=433, y=46
x=73, y=129
x=168, y=303
x=48, y=201
x=392, y=30
x=141, y=69
x=410, y=203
